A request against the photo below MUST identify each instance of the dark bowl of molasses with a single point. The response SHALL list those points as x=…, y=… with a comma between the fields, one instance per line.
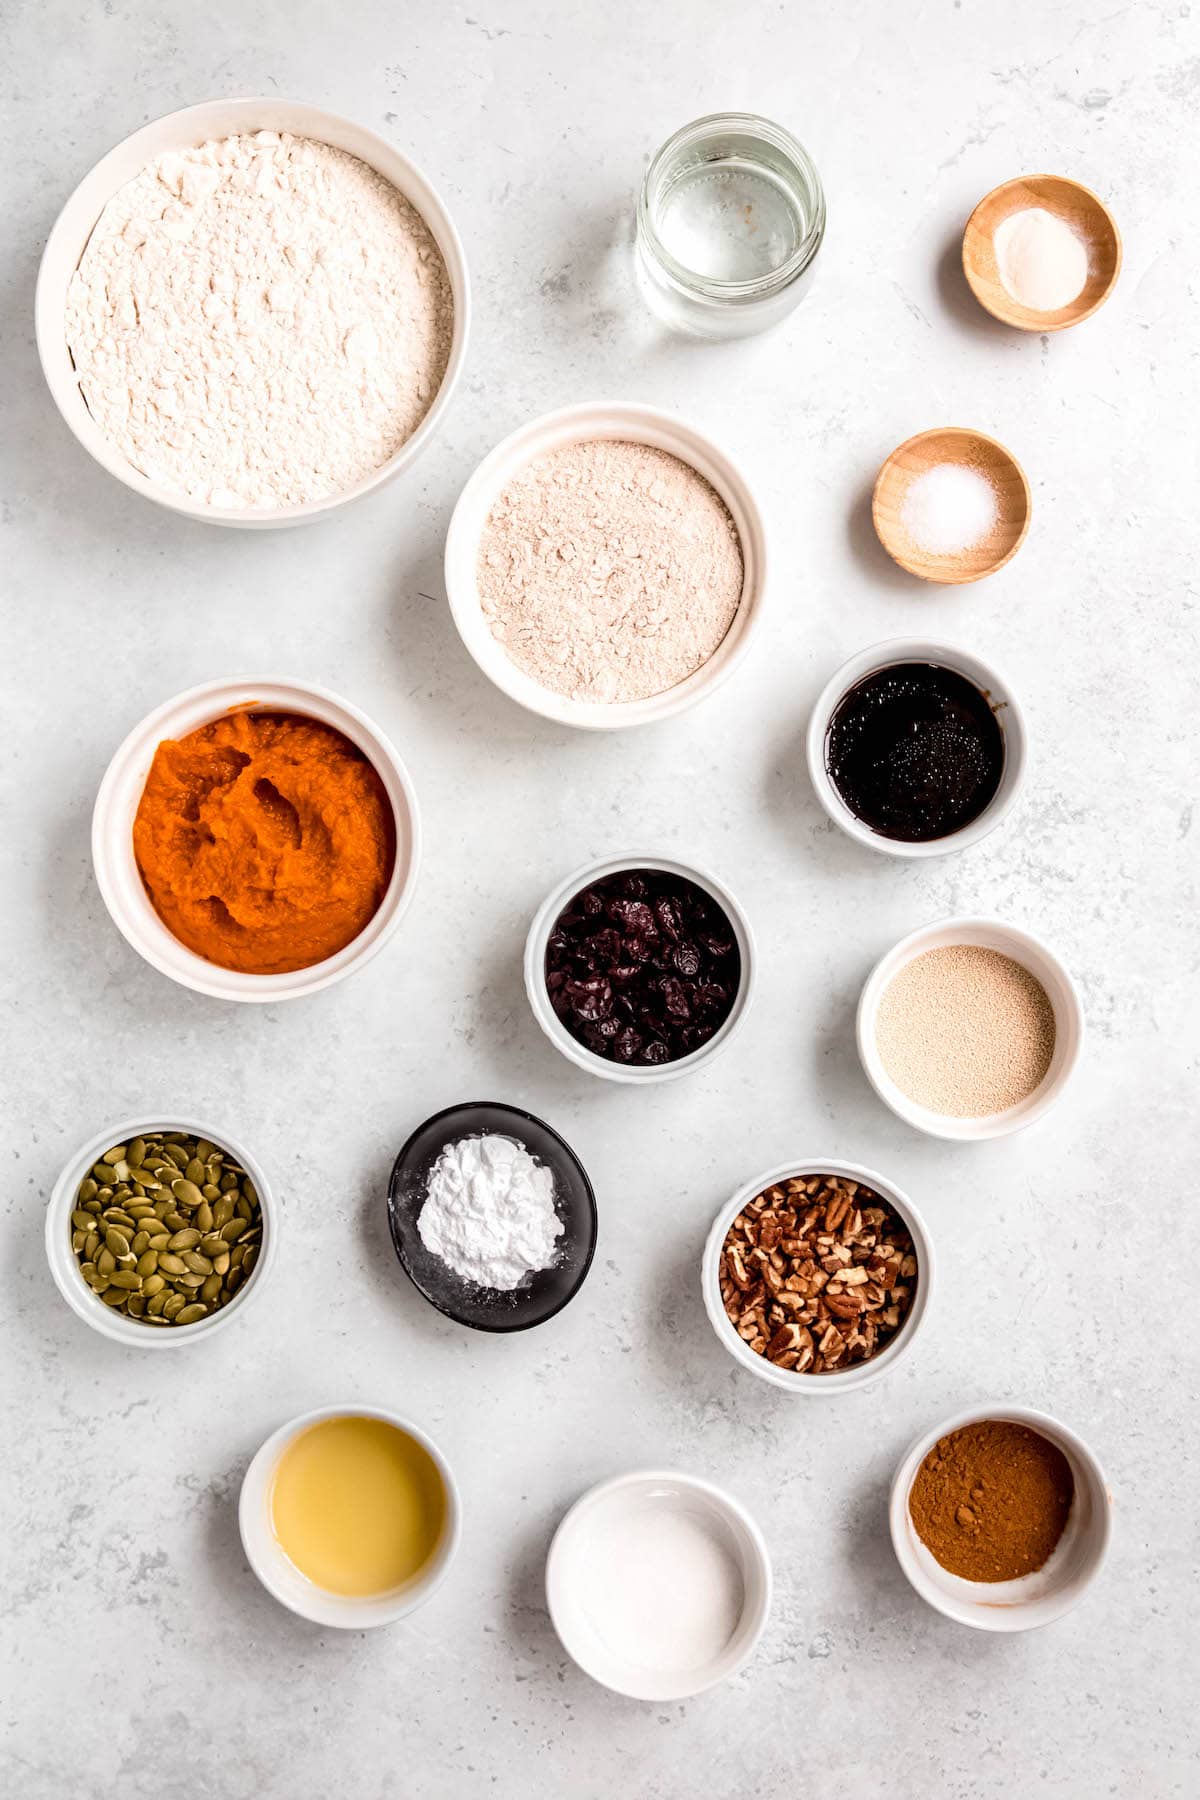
x=916, y=749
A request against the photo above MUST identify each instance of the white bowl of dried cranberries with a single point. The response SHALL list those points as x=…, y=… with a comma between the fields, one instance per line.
x=640, y=968
x=817, y=1276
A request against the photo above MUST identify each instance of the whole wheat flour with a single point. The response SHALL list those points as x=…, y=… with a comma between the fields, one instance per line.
x=609, y=571
x=260, y=321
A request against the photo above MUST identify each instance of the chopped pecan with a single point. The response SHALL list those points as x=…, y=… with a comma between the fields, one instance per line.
x=817, y=1273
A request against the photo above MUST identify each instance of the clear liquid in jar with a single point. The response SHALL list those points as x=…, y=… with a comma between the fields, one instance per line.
x=730, y=220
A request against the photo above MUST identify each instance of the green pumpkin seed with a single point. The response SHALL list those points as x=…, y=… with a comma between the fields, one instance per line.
x=210, y=1289
x=135, y=1156
x=204, y=1217
x=184, y=1240
x=147, y=1263
x=95, y=1280
x=186, y=1192
x=204, y=1150
x=88, y=1189
x=177, y=1154
x=125, y=1278
x=250, y=1259
x=174, y=1306
x=140, y=1243
x=105, y=1174
x=232, y=1230
x=92, y=1245
x=229, y=1183
x=222, y=1211
x=198, y=1264
x=82, y=1221
x=189, y=1315
x=171, y=1265
x=221, y=1262
x=159, y=1240
x=114, y=1296
x=78, y=1240
x=156, y=1302
x=136, y=1306
x=153, y=1284
x=106, y=1262
x=116, y=1241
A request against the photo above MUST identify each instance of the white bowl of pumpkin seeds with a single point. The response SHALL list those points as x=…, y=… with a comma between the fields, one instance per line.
x=159, y=1232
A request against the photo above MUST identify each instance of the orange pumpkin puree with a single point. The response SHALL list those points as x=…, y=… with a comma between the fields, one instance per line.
x=266, y=841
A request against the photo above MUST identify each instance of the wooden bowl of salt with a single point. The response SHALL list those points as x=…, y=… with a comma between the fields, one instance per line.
x=951, y=505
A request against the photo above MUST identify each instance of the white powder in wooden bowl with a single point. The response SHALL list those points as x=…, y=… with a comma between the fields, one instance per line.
x=609, y=571
x=965, y=1031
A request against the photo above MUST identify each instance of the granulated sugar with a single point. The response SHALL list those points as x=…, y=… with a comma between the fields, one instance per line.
x=609, y=570
x=259, y=321
x=965, y=1031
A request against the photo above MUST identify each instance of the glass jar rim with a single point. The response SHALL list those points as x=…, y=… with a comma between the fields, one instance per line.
x=758, y=287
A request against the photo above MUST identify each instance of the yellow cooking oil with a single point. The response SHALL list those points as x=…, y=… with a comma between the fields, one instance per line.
x=357, y=1505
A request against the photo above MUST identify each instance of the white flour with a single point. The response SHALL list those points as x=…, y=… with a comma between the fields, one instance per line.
x=609, y=570
x=260, y=321
x=489, y=1212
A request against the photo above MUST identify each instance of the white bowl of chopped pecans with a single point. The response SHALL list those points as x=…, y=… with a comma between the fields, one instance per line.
x=817, y=1276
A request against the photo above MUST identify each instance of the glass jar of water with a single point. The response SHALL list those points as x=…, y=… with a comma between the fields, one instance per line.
x=730, y=218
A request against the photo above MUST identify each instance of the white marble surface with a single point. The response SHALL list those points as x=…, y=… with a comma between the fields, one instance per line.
x=141, y=1657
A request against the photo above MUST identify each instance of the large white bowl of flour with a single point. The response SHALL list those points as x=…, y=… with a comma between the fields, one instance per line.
x=301, y=346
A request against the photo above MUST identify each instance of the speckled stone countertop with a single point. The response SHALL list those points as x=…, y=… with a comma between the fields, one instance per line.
x=141, y=1657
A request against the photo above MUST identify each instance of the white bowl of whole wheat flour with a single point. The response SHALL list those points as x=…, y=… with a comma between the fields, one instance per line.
x=605, y=565
x=969, y=1028
x=258, y=395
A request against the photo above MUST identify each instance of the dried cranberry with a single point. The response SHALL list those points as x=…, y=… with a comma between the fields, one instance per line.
x=686, y=958
x=633, y=916
x=642, y=967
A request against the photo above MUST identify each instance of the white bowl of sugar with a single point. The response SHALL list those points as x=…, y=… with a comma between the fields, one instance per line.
x=969, y=1029
x=291, y=389
x=606, y=565
x=658, y=1584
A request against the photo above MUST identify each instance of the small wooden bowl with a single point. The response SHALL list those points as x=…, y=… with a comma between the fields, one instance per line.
x=1076, y=206
x=952, y=444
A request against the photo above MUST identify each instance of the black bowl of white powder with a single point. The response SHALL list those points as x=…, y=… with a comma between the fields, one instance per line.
x=492, y=1216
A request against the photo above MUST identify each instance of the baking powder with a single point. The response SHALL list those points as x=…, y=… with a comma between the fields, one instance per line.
x=489, y=1212
x=609, y=571
x=259, y=321
x=1042, y=263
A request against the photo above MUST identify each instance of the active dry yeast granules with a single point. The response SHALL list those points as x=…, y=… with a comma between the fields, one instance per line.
x=609, y=570
x=965, y=1031
x=259, y=321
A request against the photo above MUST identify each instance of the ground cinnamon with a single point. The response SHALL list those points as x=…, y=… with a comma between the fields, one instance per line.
x=990, y=1501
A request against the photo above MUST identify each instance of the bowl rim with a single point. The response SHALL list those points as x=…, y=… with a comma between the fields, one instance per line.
x=858, y=1375
x=725, y=1504
x=967, y=663
x=950, y=577
x=1035, y=323
x=229, y=694
x=1003, y=1619
x=256, y=1542
x=515, y=1112
x=61, y=1258
x=1021, y=943
x=535, y=955
x=241, y=113
x=583, y=421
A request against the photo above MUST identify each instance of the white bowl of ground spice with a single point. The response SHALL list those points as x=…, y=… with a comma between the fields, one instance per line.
x=605, y=565
x=252, y=311
x=1000, y=1517
x=969, y=1028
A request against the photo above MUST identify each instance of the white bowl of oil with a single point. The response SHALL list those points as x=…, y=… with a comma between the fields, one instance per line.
x=350, y=1516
